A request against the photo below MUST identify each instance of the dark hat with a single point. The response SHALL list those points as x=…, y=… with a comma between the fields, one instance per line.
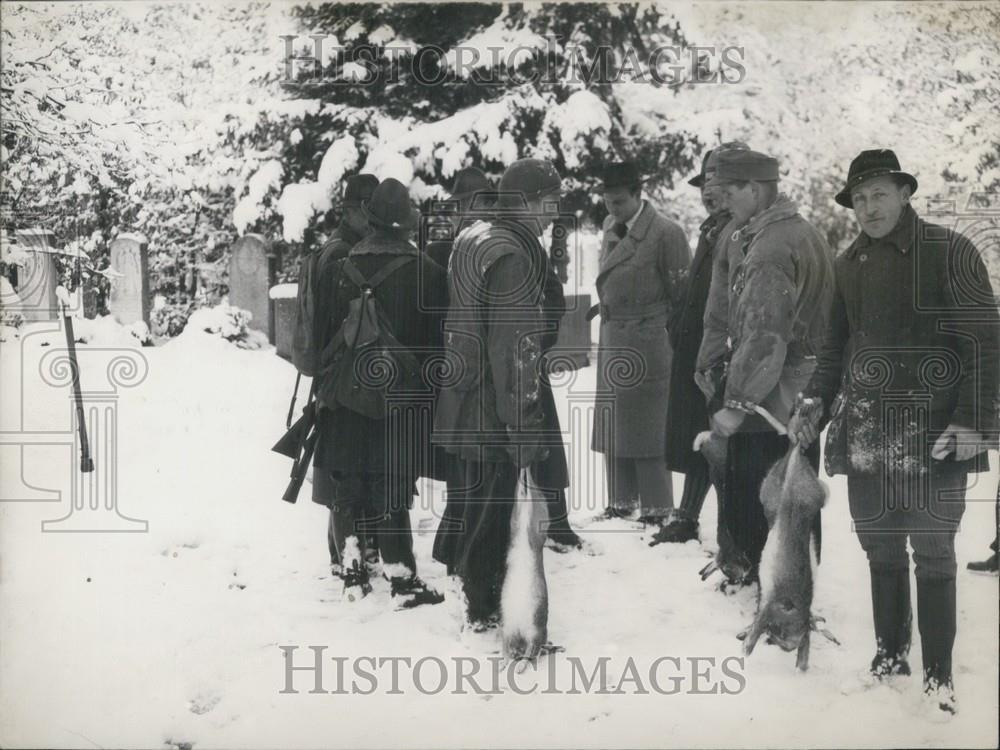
x=879, y=162
x=530, y=177
x=359, y=188
x=621, y=174
x=390, y=206
x=469, y=181
x=708, y=162
x=740, y=166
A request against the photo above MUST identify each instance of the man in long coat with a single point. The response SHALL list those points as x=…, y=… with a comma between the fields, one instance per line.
x=912, y=349
x=687, y=412
x=642, y=261
x=777, y=285
x=493, y=415
x=374, y=463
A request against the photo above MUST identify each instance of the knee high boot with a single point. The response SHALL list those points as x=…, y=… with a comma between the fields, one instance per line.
x=893, y=619
x=936, y=618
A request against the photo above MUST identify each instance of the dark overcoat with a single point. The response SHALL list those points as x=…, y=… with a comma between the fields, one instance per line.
x=687, y=413
x=638, y=283
x=413, y=300
x=911, y=347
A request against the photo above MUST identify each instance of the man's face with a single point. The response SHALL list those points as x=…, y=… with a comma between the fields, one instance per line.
x=622, y=203
x=740, y=201
x=711, y=199
x=878, y=204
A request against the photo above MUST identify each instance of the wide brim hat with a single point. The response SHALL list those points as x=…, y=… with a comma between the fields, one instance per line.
x=390, y=206
x=621, y=174
x=698, y=180
x=359, y=188
x=880, y=162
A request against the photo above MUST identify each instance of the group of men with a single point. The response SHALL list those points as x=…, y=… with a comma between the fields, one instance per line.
x=893, y=342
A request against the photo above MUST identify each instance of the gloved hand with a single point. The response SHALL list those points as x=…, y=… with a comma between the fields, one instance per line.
x=803, y=427
x=962, y=441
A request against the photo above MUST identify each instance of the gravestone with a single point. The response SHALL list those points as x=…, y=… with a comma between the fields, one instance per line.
x=252, y=271
x=37, y=277
x=284, y=298
x=130, y=301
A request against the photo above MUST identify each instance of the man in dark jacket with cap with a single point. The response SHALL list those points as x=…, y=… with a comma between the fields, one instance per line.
x=687, y=414
x=780, y=283
x=374, y=462
x=494, y=414
x=912, y=350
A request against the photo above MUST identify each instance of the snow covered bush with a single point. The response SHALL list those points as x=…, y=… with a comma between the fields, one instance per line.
x=227, y=322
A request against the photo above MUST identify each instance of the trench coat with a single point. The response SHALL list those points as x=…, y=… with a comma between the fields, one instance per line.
x=911, y=347
x=638, y=283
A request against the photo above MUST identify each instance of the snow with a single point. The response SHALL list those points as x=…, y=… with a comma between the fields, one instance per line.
x=139, y=639
x=284, y=291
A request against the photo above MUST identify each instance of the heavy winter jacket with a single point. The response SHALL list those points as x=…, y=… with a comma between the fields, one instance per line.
x=780, y=289
x=494, y=404
x=639, y=281
x=687, y=414
x=413, y=300
x=911, y=346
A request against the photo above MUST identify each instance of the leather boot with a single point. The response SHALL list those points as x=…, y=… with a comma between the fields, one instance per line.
x=893, y=621
x=936, y=620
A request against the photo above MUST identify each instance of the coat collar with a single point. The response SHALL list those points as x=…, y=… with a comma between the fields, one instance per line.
x=378, y=243
x=900, y=238
x=345, y=233
x=627, y=246
x=782, y=208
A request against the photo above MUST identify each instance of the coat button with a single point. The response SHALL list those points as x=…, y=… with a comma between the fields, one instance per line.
x=864, y=257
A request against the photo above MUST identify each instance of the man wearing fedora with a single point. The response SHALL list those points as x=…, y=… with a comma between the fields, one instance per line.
x=374, y=463
x=643, y=257
x=912, y=351
x=496, y=415
x=778, y=285
x=352, y=228
x=687, y=413
x=470, y=190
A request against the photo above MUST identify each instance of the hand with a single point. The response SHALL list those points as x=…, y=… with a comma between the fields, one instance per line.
x=726, y=421
x=962, y=441
x=803, y=427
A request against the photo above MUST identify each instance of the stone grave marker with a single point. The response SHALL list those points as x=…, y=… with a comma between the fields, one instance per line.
x=130, y=300
x=252, y=271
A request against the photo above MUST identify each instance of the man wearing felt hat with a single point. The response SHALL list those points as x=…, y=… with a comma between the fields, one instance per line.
x=912, y=351
x=471, y=190
x=374, y=462
x=687, y=413
x=642, y=260
x=775, y=290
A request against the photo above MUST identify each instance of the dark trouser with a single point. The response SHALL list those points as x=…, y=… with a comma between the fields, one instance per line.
x=749, y=457
x=696, y=484
x=374, y=504
x=888, y=510
x=642, y=482
x=474, y=533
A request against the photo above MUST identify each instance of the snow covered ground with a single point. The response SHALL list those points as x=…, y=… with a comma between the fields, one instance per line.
x=172, y=637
